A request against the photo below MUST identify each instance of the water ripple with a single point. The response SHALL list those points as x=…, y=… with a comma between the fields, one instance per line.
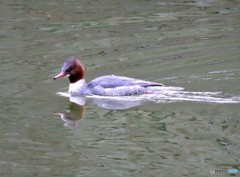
x=168, y=95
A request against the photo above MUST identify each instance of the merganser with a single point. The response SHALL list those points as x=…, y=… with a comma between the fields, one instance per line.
x=110, y=85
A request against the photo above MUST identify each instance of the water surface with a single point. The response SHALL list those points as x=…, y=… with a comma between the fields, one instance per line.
x=189, y=44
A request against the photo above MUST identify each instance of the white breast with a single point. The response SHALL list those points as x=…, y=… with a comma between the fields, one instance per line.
x=76, y=88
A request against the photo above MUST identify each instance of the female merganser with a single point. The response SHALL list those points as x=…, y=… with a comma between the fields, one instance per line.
x=104, y=85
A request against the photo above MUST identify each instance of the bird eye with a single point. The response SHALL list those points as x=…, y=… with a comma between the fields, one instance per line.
x=68, y=70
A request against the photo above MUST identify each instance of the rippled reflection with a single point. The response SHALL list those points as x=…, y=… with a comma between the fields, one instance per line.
x=165, y=95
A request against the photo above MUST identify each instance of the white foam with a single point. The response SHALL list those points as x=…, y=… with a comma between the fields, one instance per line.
x=64, y=94
x=170, y=94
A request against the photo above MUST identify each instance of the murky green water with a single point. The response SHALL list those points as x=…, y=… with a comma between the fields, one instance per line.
x=189, y=44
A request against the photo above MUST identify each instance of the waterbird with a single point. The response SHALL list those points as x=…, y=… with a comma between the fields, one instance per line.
x=109, y=85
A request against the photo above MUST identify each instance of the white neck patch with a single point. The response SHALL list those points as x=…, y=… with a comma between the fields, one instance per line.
x=76, y=87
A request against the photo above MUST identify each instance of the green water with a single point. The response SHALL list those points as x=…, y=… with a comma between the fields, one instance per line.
x=189, y=44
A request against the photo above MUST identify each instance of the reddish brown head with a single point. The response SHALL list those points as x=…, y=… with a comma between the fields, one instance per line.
x=72, y=68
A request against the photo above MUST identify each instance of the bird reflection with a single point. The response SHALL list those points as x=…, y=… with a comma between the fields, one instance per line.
x=72, y=117
x=111, y=103
x=76, y=110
